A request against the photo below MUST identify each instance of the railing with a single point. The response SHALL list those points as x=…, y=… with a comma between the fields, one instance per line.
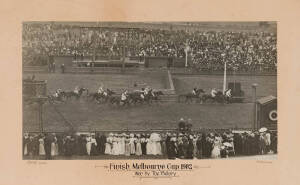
x=159, y=130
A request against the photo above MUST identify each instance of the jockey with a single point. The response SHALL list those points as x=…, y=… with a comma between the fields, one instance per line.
x=213, y=92
x=194, y=91
x=76, y=90
x=124, y=95
x=152, y=93
x=145, y=90
x=100, y=90
x=57, y=92
x=228, y=93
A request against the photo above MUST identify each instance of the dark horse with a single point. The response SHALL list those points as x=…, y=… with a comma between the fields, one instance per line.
x=116, y=100
x=188, y=97
x=52, y=99
x=219, y=98
x=104, y=96
x=136, y=97
x=155, y=96
x=70, y=94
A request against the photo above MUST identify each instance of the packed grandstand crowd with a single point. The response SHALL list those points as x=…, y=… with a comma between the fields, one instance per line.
x=182, y=144
x=242, y=50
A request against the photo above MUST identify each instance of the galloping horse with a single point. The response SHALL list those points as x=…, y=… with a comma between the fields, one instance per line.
x=52, y=99
x=155, y=96
x=219, y=98
x=103, y=96
x=70, y=94
x=136, y=97
x=116, y=100
x=190, y=96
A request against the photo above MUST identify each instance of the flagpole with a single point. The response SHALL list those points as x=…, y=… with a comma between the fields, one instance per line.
x=186, y=57
x=224, y=81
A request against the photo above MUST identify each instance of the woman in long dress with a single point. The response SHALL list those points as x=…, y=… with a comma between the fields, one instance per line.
x=56, y=146
x=127, y=146
x=195, y=152
x=25, y=143
x=216, y=151
x=53, y=145
x=108, y=145
x=88, y=144
x=41, y=147
x=156, y=144
x=148, y=145
x=131, y=144
x=122, y=144
x=115, y=145
x=138, y=150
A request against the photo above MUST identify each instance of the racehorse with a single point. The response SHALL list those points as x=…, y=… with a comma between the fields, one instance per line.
x=52, y=99
x=103, y=96
x=155, y=96
x=190, y=96
x=116, y=100
x=219, y=98
x=70, y=94
x=136, y=97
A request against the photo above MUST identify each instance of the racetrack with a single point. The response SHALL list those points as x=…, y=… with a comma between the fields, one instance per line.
x=116, y=82
x=267, y=85
x=90, y=116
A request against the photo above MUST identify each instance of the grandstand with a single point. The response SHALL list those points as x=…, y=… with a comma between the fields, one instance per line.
x=245, y=46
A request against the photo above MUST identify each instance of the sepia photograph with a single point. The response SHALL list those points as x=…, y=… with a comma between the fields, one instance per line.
x=149, y=90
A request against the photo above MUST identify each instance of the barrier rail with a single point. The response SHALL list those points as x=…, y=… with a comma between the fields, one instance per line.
x=219, y=130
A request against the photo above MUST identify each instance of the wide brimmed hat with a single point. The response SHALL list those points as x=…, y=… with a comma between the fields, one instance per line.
x=227, y=144
x=263, y=129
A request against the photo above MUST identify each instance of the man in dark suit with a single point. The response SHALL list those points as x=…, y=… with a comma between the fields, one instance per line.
x=47, y=143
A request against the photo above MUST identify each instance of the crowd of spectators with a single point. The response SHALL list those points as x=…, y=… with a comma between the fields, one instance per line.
x=208, y=50
x=170, y=145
